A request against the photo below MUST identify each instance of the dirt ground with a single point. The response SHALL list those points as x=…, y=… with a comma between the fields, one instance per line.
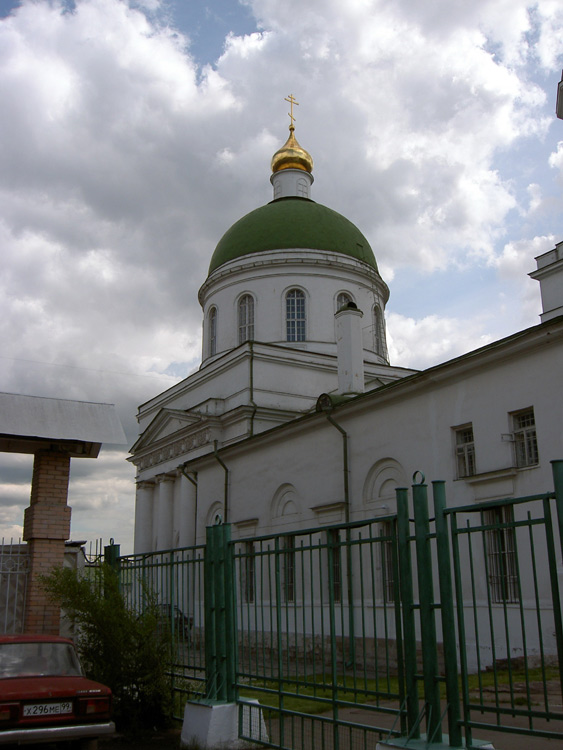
x=165, y=740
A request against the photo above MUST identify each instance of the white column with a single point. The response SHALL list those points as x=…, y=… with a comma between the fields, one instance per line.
x=165, y=511
x=143, y=516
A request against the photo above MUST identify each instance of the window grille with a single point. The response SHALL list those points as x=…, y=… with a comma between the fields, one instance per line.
x=245, y=318
x=212, y=331
x=248, y=572
x=387, y=577
x=501, y=554
x=334, y=542
x=295, y=315
x=525, y=439
x=289, y=568
x=378, y=331
x=465, y=451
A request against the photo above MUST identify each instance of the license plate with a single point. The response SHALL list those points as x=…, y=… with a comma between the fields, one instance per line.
x=47, y=709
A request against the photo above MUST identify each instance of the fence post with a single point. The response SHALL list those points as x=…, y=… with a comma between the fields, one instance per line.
x=220, y=632
x=407, y=601
x=447, y=608
x=111, y=556
x=427, y=620
x=557, y=470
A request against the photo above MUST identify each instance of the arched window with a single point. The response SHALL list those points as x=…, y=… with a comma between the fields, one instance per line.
x=342, y=300
x=212, y=331
x=295, y=315
x=378, y=333
x=245, y=318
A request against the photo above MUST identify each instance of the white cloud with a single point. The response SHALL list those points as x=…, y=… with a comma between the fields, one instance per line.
x=126, y=162
x=431, y=340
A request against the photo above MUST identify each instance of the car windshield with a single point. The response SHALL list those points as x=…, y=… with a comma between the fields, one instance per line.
x=40, y=658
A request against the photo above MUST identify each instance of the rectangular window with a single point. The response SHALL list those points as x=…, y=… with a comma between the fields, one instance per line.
x=334, y=556
x=246, y=319
x=525, y=439
x=501, y=554
x=295, y=315
x=387, y=576
x=288, y=559
x=248, y=572
x=465, y=451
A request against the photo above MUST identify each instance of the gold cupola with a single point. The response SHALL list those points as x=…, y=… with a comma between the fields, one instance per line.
x=292, y=156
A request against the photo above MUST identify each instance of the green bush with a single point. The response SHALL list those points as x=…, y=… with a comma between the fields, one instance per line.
x=124, y=649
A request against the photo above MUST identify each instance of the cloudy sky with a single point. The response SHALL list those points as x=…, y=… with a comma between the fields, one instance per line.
x=133, y=134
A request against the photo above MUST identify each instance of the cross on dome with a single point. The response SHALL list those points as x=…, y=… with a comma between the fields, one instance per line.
x=291, y=155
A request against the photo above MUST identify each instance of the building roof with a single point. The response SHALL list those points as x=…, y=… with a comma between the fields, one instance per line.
x=26, y=422
x=288, y=223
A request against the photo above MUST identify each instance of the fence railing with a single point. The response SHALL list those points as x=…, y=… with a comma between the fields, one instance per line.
x=319, y=633
x=506, y=562
x=14, y=568
x=173, y=581
x=392, y=627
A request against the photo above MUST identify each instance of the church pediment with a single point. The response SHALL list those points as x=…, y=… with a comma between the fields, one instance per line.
x=167, y=423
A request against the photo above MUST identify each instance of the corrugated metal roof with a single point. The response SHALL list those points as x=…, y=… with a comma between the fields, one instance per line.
x=59, y=419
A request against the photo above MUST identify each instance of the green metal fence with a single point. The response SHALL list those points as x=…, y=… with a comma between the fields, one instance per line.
x=402, y=627
x=319, y=635
x=173, y=581
x=507, y=566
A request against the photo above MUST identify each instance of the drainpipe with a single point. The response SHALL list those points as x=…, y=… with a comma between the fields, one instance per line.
x=226, y=497
x=193, y=480
x=251, y=385
x=344, y=434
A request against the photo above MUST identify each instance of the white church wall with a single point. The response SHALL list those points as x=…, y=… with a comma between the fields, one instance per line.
x=320, y=275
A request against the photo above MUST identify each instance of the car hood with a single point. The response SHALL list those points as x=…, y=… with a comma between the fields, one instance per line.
x=42, y=688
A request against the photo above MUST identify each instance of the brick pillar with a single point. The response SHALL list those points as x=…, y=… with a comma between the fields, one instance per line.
x=46, y=527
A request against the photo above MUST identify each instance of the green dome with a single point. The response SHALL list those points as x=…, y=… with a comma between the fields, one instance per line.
x=292, y=223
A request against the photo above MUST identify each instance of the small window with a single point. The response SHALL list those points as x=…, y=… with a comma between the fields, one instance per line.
x=387, y=568
x=245, y=318
x=295, y=315
x=248, y=572
x=465, y=451
x=342, y=300
x=288, y=558
x=525, y=439
x=501, y=554
x=335, y=558
x=378, y=332
x=212, y=331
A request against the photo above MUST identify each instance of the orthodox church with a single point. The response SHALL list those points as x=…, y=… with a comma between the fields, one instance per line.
x=297, y=419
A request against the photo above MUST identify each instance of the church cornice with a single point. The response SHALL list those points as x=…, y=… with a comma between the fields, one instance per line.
x=299, y=257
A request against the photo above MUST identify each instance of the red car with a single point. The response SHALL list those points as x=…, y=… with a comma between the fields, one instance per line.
x=44, y=695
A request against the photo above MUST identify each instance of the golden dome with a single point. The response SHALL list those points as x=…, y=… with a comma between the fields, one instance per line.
x=292, y=156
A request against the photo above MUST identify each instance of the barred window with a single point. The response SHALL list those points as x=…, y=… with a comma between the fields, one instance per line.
x=465, y=451
x=212, y=330
x=387, y=572
x=245, y=318
x=378, y=331
x=501, y=554
x=335, y=559
x=295, y=315
x=288, y=558
x=248, y=572
x=525, y=439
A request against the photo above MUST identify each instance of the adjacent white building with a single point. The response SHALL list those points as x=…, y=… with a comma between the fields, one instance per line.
x=295, y=357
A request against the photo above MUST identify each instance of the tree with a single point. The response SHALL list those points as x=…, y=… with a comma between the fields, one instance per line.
x=126, y=650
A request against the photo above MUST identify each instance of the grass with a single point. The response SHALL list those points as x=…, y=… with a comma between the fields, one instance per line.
x=315, y=696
